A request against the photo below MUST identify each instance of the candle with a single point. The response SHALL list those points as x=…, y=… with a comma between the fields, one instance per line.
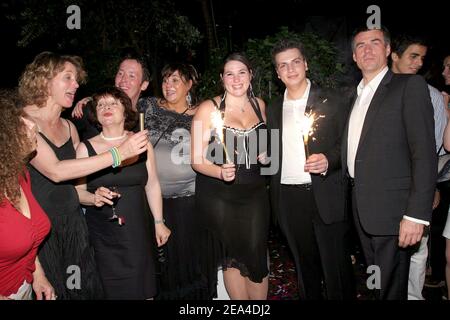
x=141, y=121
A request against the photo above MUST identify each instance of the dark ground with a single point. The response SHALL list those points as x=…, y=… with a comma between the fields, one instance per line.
x=283, y=279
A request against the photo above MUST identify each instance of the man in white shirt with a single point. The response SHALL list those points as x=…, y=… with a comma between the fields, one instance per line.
x=390, y=158
x=307, y=192
x=408, y=54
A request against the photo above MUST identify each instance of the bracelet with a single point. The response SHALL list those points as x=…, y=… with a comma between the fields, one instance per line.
x=116, y=157
x=159, y=221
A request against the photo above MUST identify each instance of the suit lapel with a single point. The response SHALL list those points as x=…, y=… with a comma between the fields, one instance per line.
x=375, y=106
x=345, y=134
x=313, y=97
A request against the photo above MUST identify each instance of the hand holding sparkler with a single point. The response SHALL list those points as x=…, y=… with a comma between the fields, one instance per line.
x=228, y=172
x=316, y=163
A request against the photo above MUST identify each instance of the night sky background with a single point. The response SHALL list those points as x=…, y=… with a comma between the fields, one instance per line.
x=239, y=20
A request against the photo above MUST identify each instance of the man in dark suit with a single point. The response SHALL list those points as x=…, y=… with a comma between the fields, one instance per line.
x=307, y=192
x=389, y=155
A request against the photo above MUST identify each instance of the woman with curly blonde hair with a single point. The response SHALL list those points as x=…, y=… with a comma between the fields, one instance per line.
x=23, y=223
x=47, y=86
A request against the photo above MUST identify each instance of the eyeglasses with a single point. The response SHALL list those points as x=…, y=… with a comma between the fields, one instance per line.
x=103, y=105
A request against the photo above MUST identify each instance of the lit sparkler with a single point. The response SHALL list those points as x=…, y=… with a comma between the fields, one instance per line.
x=217, y=124
x=308, y=128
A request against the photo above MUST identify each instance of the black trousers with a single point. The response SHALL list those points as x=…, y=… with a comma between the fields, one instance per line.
x=384, y=253
x=321, y=251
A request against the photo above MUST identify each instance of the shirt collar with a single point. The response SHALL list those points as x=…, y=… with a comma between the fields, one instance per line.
x=374, y=83
x=303, y=97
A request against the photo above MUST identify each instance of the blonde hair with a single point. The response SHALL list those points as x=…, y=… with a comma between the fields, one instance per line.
x=33, y=84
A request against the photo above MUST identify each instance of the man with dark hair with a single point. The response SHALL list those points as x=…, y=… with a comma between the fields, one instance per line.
x=408, y=54
x=132, y=77
x=389, y=156
x=307, y=193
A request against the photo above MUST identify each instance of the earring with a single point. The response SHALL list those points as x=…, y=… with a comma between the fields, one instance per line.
x=250, y=91
x=189, y=99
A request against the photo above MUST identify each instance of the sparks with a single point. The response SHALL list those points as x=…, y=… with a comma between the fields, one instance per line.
x=308, y=128
x=217, y=124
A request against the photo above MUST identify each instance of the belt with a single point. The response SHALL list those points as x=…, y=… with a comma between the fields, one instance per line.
x=305, y=186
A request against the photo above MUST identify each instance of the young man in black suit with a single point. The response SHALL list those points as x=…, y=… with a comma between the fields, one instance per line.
x=389, y=155
x=307, y=192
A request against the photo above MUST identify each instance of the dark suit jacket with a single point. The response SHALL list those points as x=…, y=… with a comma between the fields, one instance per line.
x=396, y=162
x=328, y=190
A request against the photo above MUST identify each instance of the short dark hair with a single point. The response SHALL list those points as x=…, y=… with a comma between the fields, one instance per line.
x=186, y=71
x=116, y=93
x=131, y=54
x=403, y=41
x=364, y=28
x=286, y=44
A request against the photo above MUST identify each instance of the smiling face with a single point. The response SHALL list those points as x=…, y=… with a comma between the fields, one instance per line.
x=291, y=67
x=370, y=52
x=411, y=61
x=63, y=86
x=110, y=111
x=236, y=78
x=129, y=78
x=175, y=87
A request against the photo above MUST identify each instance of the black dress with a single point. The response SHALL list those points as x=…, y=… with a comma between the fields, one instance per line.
x=236, y=214
x=66, y=256
x=180, y=273
x=124, y=253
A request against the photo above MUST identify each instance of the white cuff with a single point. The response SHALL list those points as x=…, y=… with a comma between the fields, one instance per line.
x=427, y=223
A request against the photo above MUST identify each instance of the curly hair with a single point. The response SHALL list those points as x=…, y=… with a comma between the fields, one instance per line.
x=13, y=142
x=33, y=84
x=129, y=114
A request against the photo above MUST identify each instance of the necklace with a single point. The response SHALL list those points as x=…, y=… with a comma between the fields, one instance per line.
x=242, y=108
x=112, y=138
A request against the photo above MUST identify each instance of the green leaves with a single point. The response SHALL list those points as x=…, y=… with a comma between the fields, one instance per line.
x=320, y=54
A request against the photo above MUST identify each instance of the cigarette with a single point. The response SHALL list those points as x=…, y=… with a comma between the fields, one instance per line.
x=141, y=121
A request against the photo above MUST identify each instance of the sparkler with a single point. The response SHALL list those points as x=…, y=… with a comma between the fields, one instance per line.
x=217, y=124
x=308, y=128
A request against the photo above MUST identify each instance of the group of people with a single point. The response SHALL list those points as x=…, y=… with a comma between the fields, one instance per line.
x=83, y=219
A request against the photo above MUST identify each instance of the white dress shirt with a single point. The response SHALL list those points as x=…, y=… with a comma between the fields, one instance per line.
x=294, y=158
x=357, y=116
